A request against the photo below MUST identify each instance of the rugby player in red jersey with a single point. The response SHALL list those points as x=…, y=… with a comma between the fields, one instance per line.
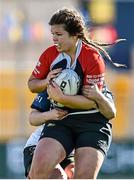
x=86, y=129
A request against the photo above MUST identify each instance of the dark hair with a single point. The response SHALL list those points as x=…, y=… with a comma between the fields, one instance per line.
x=74, y=24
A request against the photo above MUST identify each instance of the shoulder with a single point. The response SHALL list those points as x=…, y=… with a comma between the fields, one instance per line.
x=51, y=49
x=41, y=102
x=51, y=52
x=40, y=97
x=89, y=49
x=91, y=54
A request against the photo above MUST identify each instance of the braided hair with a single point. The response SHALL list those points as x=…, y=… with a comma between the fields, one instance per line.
x=75, y=26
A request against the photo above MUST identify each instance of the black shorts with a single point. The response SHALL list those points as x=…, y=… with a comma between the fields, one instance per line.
x=28, y=156
x=83, y=130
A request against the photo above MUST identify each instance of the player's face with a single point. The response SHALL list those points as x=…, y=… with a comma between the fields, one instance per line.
x=61, y=38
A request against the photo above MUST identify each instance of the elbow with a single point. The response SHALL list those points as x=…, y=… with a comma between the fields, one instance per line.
x=31, y=88
x=32, y=123
x=112, y=114
x=31, y=83
x=31, y=119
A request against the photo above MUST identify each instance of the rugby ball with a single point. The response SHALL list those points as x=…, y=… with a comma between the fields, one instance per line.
x=69, y=82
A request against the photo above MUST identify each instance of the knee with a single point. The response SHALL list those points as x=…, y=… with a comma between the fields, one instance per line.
x=41, y=168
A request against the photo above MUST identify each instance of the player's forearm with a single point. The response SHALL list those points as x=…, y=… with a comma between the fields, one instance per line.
x=36, y=85
x=106, y=107
x=37, y=118
x=77, y=102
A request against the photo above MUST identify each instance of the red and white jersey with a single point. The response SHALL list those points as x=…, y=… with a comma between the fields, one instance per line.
x=88, y=61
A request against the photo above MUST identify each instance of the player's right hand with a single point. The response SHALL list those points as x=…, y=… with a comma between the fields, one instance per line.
x=53, y=74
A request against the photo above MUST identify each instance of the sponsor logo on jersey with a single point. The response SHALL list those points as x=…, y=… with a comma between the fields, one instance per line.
x=97, y=79
x=36, y=71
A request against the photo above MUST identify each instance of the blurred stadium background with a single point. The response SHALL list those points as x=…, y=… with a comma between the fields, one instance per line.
x=24, y=34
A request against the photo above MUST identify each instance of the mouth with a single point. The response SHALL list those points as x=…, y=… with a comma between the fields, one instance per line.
x=57, y=45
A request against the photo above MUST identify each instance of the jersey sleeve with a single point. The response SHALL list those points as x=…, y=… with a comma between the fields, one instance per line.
x=95, y=70
x=42, y=67
x=41, y=103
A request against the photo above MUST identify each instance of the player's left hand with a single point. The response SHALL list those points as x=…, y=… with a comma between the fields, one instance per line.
x=91, y=91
